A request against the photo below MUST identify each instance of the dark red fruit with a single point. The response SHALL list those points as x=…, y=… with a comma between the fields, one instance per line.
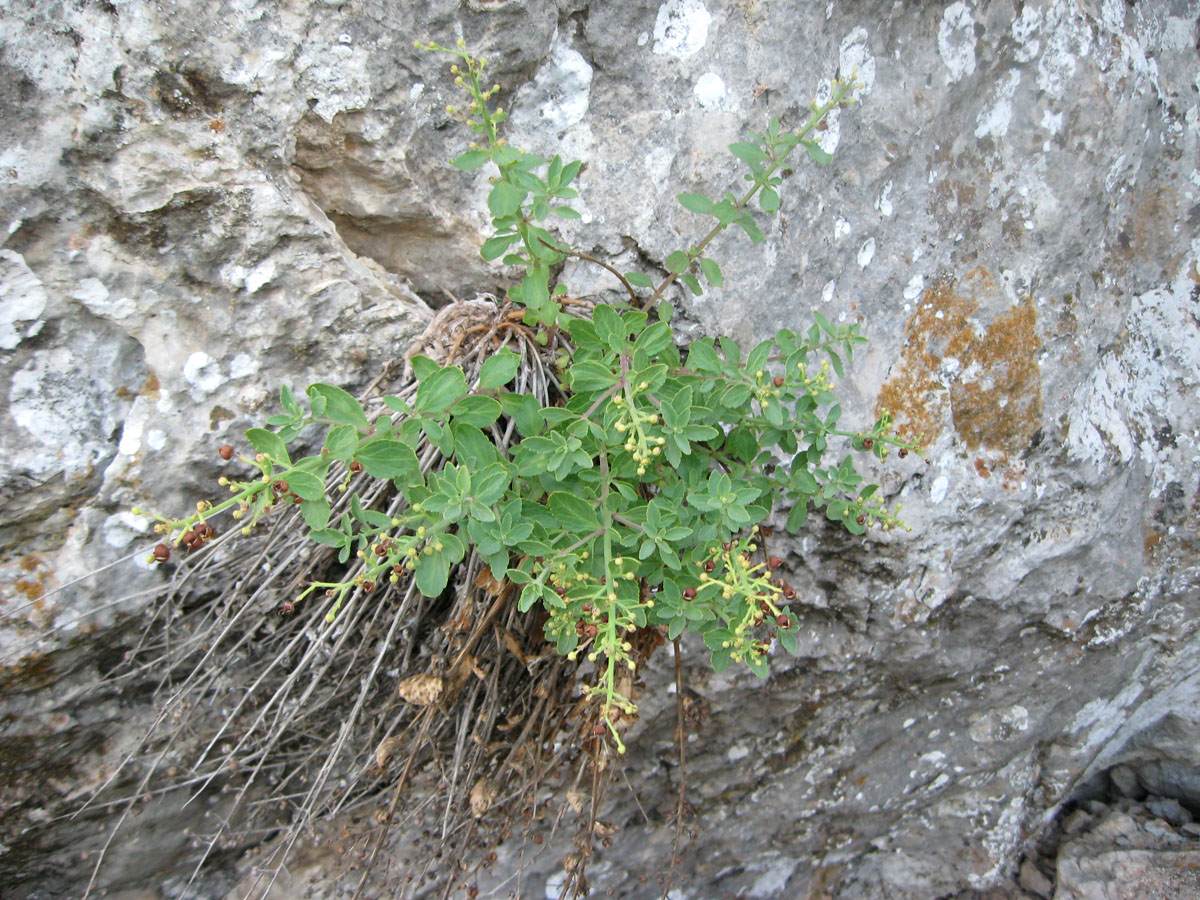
x=280, y=487
x=368, y=587
x=868, y=443
x=689, y=593
x=903, y=452
x=226, y=451
x=162, y=553
x=287, y=608
x=783, y=621
x=789, y=592
x=774, y=562
x=356, y=467
x=778, y=381
x=861, y=520
x=709, y=565
x=189, y=537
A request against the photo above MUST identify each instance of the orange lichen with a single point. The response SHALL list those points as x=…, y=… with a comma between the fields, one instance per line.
x=982, y=379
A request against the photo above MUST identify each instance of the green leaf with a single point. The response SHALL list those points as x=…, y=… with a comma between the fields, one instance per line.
x=498, y=369
x=505, y=199
x=696, y=203
x=472, y=159
x=306, y=486
x=490, y=483
x=530, y=594
x=316, y=514
x=338, y=406
x=692, y=282
x=789, y=638
x=702, y=357
x=836, y=362
x=432, y=574
x=270, y=443
x=748, y=225
x=440, y=390
x=423, y=366
x=494, y=248
x=677, y=262
x=592, y=375
x=819, y=156
x=287, y=400
x=573, y=513
x=330, y=537
x=341, y=442
x=768, y=199
x=387, y=459
x=476, y=410
x=712, y=272
x=751, y=154
x=638, y=279
x=564, y=212
x=655, y=339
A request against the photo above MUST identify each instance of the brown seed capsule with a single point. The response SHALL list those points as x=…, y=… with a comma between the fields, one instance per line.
x=189, y=538
x=597, y=729
x=280, y=487
x=368, y=587
x=162, y=553
x=709, y=565
x=789, y=592
x=783, y=621
x=774, y=562
x=287, y=608
x=689, y=593
x=868, y=443
x=225, y=451
x=777, y=381
x=903, y=452
x=861, y=520
x=356, y=467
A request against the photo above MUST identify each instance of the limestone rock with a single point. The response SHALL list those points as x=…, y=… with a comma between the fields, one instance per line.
x=203, y=201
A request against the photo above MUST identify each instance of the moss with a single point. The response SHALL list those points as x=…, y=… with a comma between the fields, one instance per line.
x=993, y=398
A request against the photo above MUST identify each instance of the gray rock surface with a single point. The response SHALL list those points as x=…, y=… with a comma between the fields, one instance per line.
x=203, y=200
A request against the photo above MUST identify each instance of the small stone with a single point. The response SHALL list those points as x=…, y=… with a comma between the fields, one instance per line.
x=1169, y=809
x=483, y=796
x=1125, y=782
x=422, y=690
x=1032, y=880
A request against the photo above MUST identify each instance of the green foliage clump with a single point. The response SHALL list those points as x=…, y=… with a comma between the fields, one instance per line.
x=638, y=502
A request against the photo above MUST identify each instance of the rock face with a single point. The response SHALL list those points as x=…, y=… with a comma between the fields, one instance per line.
x=205, y=200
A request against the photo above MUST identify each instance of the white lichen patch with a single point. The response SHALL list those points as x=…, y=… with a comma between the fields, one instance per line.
x=558, y=97
x=22, y=300
x=203, y=373
x=866, y=253
x=1068, y=38
x=337, y=77
x=681, y=28
x=1025, y=34
x=709, y=90
x=855, y=59
x=994, y=120
x=883, y=202
x=65, y=401
x=772, y=882
x=956, y=41
x=122, y=528
x=1149, y=383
